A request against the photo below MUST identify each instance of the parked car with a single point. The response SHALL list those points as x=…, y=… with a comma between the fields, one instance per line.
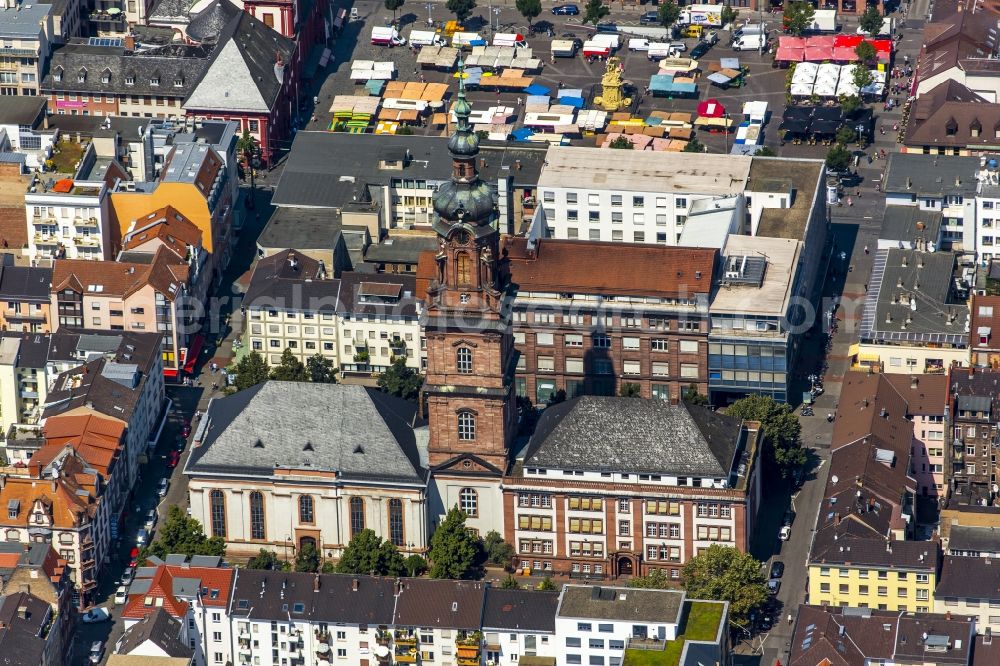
x=786, y=533
x=96, y=614
x=773, y=586
x=777, y=569
x=566, y=10
x=700, y=49
x=650, y=18
x=121, y=595
x=186, y=430
x=96, y=652
x=161, y=489
x=151, y=517
x=606, y=27
x=127, y=575
x=173, y=458
x=142, y=537
x=680, y=47
x=712, y=37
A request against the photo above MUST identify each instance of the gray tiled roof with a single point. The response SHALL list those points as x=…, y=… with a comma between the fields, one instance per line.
x=292, y=281
x=211, y=20
x=620, y=603
x=159, y=629
x=173, y=64
x=927, y=278
x=909, y=224
x=520, y=610
x=966, y=538
x=25, y=283
x=301, y=228
x=633, y=435
x=21, y=110
x=931, y=175
x=24, y=20
x=356, y=431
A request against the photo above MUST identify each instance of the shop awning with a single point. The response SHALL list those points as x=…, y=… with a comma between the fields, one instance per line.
x=170, y=373
x=854, y=349
x=193, y=350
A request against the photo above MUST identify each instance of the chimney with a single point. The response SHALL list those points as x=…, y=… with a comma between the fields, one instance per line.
x=354, y=585
x=399, y=587
x=909, y=183
x=129, y=43
x=316, y=583
x=947, y=615
x=293, y=263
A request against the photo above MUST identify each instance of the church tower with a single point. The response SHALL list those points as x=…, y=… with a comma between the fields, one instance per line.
x=470, y=347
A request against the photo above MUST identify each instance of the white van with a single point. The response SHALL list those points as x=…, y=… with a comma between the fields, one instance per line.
x=750, y=43
x=659, y=51
x=611, y=41
x=638, y=45
x=749, y=29
x=426, y=38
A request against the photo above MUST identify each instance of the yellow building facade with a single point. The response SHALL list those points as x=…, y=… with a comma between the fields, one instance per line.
x=863, y=586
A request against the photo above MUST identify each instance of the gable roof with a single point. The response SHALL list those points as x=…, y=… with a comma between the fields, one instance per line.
x=292, y=280
x=159, y=629
x=25, y=283
x=446, y=604
x=947, y=115
x=167, y=225
x=97, y=439
x=166, y=274
x=644, y=436
x=247, y=70
x=520, y=610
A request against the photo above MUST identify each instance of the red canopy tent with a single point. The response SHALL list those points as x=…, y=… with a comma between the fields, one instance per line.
x=847, y=41
x=711, y=108
x=844, y=54
x=792, y=42
x=789, y=54
x=818, y=53
x=821, y=41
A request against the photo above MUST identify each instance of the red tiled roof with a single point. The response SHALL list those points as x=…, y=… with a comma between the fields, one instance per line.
x=986, y=318
x=216, y=584
x=118, y=278
x=167, y=225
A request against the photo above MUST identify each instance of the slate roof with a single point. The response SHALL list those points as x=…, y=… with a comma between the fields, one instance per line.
x=301, y=228
x=400, y=249
x=969, y=577
x=969, y=539
x=931, y=175
x=158, y=628
x=21, y=109
x=624, y=604
x=21, y=641
x=210, y=21
x=926, y=278
x=244, y=74
x=24, y=21
x=854, y=550
x=327, y=598
x=445, y=604
x=291, y=280
x=910, y=224
x=623, y=434
x=359, y=432
x=25, y=283
x=520, y=610
x=950, y=115
x=399, y=297
x=170, y=64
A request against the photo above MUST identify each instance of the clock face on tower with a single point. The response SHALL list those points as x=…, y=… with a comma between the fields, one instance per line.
x=462, y=237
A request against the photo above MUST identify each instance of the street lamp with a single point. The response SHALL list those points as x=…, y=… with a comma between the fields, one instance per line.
x=725, y=130
x=430, y=19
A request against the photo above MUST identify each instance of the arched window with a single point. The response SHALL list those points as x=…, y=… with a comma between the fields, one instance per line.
x=257, y=530
x=464, y=269
x=463, y=359
x=396, y=522
x=468, y=501
x=466, y=426
x=357, y=515
x=217, y=500
x=307, y=512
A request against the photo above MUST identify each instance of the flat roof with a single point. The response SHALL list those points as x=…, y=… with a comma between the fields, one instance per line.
x=620, y=603
x=301, y=229
x=644, y=171
x=24, y=20
x=776, y=174
x=773, y=296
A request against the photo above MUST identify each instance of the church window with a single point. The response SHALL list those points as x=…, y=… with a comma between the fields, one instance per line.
x=468, y=501
x=466, y=426
x=357, y=515
x=396, y=522
x=464, y=269
x=256, y=515
x=464, y=360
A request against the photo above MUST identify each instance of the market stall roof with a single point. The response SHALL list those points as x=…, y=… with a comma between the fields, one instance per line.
x=847, y=41
x=719, y=78
x=844, y=54
x=825, y=126
x=575, y=102
x=805, y=73
x=711, y=108
x=828, y=113
x=825, y=88
x=818, y=53
x=789, y=54
x=797, y=113
x=801, y=89
x=791, y=42
x=536, y=89
x=755, y=109
x=821, y=41
x=571, y=92
x=796, y=126
x=729, y=63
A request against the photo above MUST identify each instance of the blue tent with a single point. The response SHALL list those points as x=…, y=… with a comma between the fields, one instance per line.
x=535, y=89
x=575, y=102
x=522, y=134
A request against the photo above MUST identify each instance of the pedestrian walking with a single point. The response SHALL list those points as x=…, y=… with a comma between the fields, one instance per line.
x=866, y=249
x=520, y=101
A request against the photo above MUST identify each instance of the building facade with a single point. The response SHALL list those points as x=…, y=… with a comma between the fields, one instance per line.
x=26, y=30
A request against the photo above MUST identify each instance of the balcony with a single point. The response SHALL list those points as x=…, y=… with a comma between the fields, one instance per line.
x=44, y=221
x=88, y=222
x=640, y=643
x=404, y=638
x=405, y=655
x=45, y=239
x=383, y=637
x=87, y=241
x=37, y=315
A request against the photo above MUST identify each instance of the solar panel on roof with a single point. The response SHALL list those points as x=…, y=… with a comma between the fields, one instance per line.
x=105, y=41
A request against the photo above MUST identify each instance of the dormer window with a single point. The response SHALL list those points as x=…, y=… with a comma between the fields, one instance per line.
x=81, y=77
x=178, y=81
x=130, y=80
x=106, y=76
x=57, y=73
x=976, y=128
x=951, y=127
x=154, y=80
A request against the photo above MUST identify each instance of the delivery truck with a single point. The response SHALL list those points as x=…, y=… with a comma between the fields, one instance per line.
x=386, y=36
x=466, y=40
x=703, y=15
x=509, y=39
x=750, y=43
x=564, y=48
x=426, y=38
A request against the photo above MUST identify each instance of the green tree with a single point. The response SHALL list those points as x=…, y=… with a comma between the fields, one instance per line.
x=722, y=573
x=838, y=158
x=729, y=15
x=798, y=17
x=861, y=78
x=692, y=397
x=266, y=559
x=846, y=134
x=290, y=369
x=366, y=553
x=546, y=585
x=850, y=103
x=415, y=565
x=694, y=146
x=454, y=550
x=866, y=53
x=393, y=6
x=307, y=559
x=629, y=390
x=594, y=11
x=180, y=533
x=621, y=143
x=529, y=9
x=245, y=146
x=462, y=9
x=668, y=13
x=782, y=430
x=328, y=567
x=400, y=380
x=871, y=21
x=320, y=370
x=498, y=551
x=510, y=583
x=656, y=579
x=765, y=151
x=251, y=370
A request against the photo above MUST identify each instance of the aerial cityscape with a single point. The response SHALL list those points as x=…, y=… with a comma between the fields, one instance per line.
x=499, y=333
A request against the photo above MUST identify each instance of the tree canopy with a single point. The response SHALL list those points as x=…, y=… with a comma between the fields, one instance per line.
x=453, y=551
x=401, y=380
x=799, y=17
x=722, y=573
x=321, y=370
x=656, y=579
x=621, y=143
x=498, y=551
x=529, y=9
x=594, y=11
x=266, y=559
x=781, y=426
x=871, y=21
x=307, y=559
x=668, y=12
x=367, y=553
x=251, y=370
x=462, y=9
x=866, y=52
x=393, y=6
x=694, y=146
x=180, y=533
x=838, y=158
x=290, y=369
